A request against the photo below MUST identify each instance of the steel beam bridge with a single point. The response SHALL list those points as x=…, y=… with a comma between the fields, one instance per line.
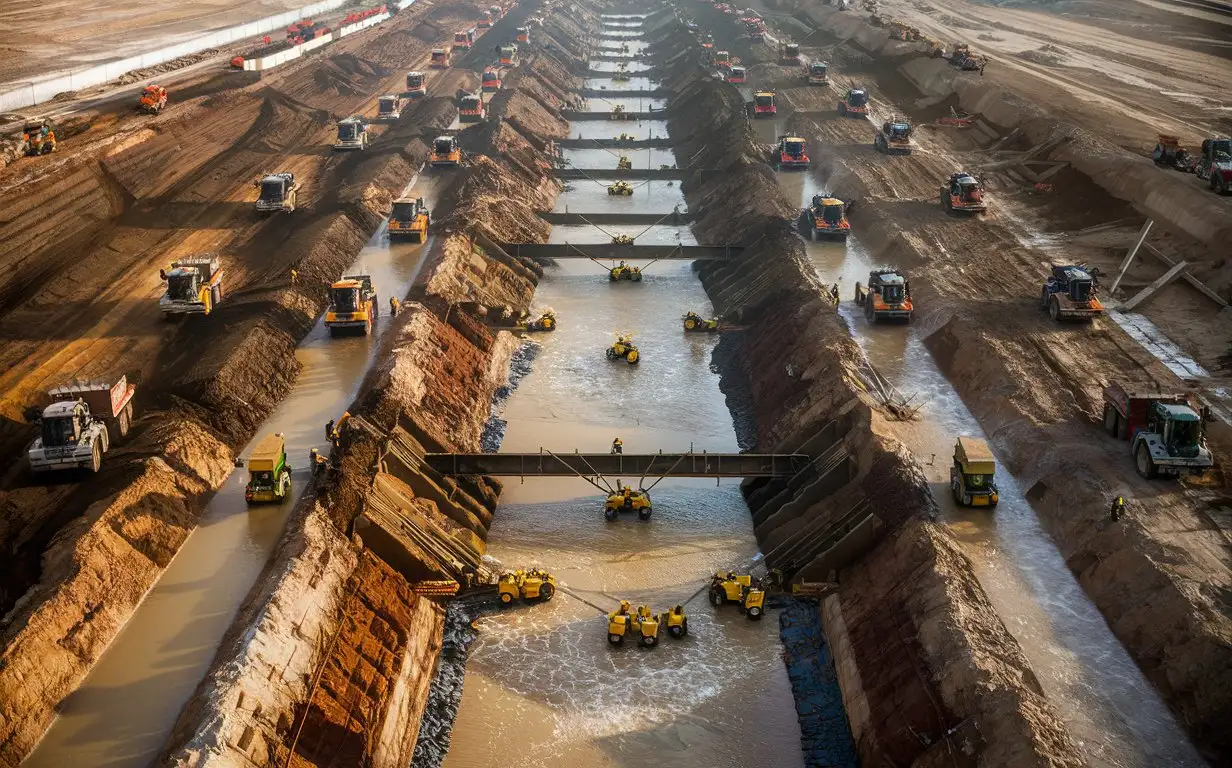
x=687, y=464
x=614, y=251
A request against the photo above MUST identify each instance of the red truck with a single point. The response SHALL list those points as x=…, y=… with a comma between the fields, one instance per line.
x=1164, y=430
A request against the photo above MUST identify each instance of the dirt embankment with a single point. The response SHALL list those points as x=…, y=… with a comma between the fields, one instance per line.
x=1161, y=577
x=923, y=658
x=80, y=556
x=437, y=371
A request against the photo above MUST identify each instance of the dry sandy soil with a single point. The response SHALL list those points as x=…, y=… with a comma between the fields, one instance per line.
x=85, y=34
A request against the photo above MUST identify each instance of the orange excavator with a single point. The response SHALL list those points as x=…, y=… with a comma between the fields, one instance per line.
x=152, y=99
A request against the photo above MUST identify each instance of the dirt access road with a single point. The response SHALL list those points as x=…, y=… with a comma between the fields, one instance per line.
x=40, y=38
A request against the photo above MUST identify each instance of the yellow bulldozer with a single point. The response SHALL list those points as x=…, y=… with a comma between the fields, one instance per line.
x=533, y=584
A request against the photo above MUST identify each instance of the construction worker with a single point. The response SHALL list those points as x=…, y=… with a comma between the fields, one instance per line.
x=294, y=275
x=1118, y=508
x=834, y=292
x=617, y=446
x=393, y=306
x=317, y=462
x=329, y=430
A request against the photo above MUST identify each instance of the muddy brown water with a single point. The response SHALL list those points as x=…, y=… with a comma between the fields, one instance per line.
x=124, y=711
x=1110, y=708
x=542, y=683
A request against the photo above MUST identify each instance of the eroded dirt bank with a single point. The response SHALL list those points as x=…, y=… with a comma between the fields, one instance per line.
x=81, y=555
x=925, y=664
x=1159, y=577
x=431, y=389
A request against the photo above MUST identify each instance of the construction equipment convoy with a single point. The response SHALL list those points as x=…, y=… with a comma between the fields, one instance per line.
x=79, y=426
x=38, y=138
x=1215, y=165
x=695, y=323
x=352, y=305
x=763, y=104
x=826, y=217
x=409, y=218
x=416, y=85
x=623, y=271
x=791, y=153
x=269, y=475
x=471, y=108
x=887, y=296
x=1164, y=430
x=894, y=138
x=964, y=193
x=194, y=286
x=389, y=107
x=625, y=499
x=818, y=73
x=1071, y=293
x=445, y=152
x=742, y=589
x=972, y=473
x=152, y=100
x=854, y=102
x=440, y=58
x=352, y=134
x=278, y=192
x=533, y=584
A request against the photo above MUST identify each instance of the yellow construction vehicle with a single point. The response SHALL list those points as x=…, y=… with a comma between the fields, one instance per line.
x=677, y=622
x=628, y=500
x=621, y=188
x=545, y=322
x=38, y=138
x=624, y=163
x=445, y=152
x=971, y=475
x=623, y=271
x=269, y=476
x=741, y=589
x=695, y=323
x=622, y=239
x=352, y=305
x=642, y=622
x=624, y=349
x=534, y=584
x=409, y=218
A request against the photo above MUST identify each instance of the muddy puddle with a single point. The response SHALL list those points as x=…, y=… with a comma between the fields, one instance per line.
x=542, y=682
x=592, y=196
x=1111, y=709
x=607, y=158
x=124, y=711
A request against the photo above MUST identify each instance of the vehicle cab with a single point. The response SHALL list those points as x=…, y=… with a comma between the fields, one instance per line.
x=416, y=84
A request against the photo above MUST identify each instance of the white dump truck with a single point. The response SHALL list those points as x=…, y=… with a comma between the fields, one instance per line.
x=80, y=425
x=194, y=286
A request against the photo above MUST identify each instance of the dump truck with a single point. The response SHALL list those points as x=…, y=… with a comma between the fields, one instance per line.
x=440, y=58
x=886, y=297
x=1169, y=153
x=736, y=75
x=464, y=39
x=1070, y=293
x=416, y=85
x=818, y=73
x=789, y=53
x=721, y=59
x=38, y=137
x=964, y=194
x=1215, y=164
x=152, y=99
x=485, y=20
x=389, y=107
x=854, y=103
x=972, y=474
x=269, y=475
x=791, y=153
x=80, y=425
x=352, y=306
x=410, y=219
x=490, y=82
x=763, y=104
x=1164, y=430
x=894, y=138
x=445, y=152
x=826, y=217
x=278, y=192
x=471, y=108
x=352, y=134
x=508, y=55
x=194, y=286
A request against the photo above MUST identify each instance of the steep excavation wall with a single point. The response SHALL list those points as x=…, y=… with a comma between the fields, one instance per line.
x=201, y=400
x=431, y=389
x=1159, y=578
x=926, y=667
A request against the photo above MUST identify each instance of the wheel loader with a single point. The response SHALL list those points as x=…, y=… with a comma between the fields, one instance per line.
x=628, y=500
x=818, y=73
x=736, y=75
x=791, y=153
x=471, y=108
x=964, y=194
x=695, y=323
x=721, y=59
x=389, y=107
x=352, y=134
x=826, y=218
x=741, y=589
x=523, y=36
x=491, y=81
x=1070, y=293
x=642, y=624
x=152, y=99
x=440, y=58
x=269, y=475
x=445, y=152
x=533, y=584
x=971, y=474
x=789, y=53
x=278, y=192
x=854, y=103
x=194, y=286
x=763, y=104
x=416, y=85
x=887, y=296
x=410, y=219
x=508, y=55
x=353, y=306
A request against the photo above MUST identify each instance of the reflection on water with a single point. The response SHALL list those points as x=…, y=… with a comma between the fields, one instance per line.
x=1108, y=705
x=124, y=711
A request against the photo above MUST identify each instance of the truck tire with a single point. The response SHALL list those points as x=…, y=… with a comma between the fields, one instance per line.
x=546, y=592
x=754, y=613
x=126, y=418
x=96, y=458
x=1111, y=419
x=1143, y=462
x=1054, y=309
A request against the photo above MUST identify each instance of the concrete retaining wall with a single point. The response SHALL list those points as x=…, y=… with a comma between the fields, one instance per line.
x=282, y=57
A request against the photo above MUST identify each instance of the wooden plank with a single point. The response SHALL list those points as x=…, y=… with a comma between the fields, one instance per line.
x=1187, y=276
x=1154, y=287
x=1129, y=257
